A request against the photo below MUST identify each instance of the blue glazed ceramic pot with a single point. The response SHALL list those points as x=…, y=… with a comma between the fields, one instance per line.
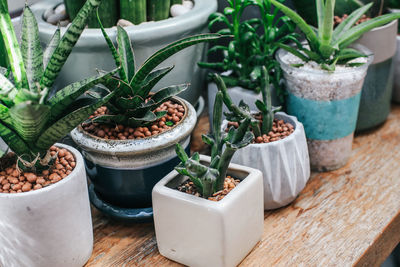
x=327, y=104
x=123, y=172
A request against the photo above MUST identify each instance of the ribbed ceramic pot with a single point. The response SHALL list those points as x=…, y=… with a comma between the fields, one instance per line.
x=377, y=90
x=396, y=84
x=198, y=232
x=48, y=227
x=123, y=172
x=327, y=104
x=91, y=51
x=285, y=164
x=237, y=94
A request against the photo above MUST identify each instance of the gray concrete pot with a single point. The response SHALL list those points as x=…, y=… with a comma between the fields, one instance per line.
x=123, y=172
x=378, y=85
x=48, y=227
x=285, y=164
x=396, y=83
x=198, y=232
x=92, y=52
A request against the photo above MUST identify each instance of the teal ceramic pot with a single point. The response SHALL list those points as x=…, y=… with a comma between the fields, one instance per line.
x=91, y=51
x=377, y=90
x=327, y=104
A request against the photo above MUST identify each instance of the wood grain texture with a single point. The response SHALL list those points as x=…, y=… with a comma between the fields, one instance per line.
x=342, y=218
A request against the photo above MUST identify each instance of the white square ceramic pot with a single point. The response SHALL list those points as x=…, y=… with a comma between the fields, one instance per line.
x=198, y=232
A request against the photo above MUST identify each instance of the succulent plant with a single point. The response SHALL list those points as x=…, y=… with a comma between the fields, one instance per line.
x=210, y=179
x=242, y=111
x=32, y=116
x=253, y=45
x=133, y=104
x=329, y=46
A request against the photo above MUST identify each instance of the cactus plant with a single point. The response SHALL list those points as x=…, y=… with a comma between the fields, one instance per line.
x=133, y=10
x=254, y=44
x=32, y=117
x=133, y=104
x=210, y=179
x=241, y=112
x=328, y=46
x=108, y=10
x=158, y=9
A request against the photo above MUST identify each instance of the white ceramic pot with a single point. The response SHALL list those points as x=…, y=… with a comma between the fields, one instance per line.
x=48, y=227
x=198, y=232
x=237, y=94
x=285, y=164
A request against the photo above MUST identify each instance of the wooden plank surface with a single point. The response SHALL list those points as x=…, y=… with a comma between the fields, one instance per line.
x=347, y=217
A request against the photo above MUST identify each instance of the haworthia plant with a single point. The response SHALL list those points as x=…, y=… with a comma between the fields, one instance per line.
x=133, y=104
x=241, y=112
x=329, y=46
x=31, y=120
x=210, y=179
x=133, y=10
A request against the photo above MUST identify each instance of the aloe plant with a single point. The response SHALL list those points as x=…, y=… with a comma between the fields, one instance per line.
x=329, y=46
x=133, y=104
x=253, y=45
x=210, y=179
x=31, y=120
x=242, y=111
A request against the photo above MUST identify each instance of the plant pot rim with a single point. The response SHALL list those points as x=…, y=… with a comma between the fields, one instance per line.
x=285, y=66
x=151, y=143
x=44, y=190
x=163, y=188
x=159, y=29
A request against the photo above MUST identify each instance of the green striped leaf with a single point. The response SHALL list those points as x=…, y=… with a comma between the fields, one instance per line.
x=168, y=51
x=115, y=119
x=51, y=47
x=5, y=84
x=65, y=97
x=68, y=41
x=151, y=80
x=146, y=119
x=125, y=52
x=11, y=43
x=14, y=141
x=66, y=124
x=31, y=49
x=28, y=120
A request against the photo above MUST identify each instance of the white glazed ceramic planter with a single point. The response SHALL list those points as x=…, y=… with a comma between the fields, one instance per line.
x=48, y=227
x=198, y=232
x=285, y=164
x=237, y=94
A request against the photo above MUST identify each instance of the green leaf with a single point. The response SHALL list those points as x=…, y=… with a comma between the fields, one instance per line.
x=144, y=120
x=51, y=47
x=180, y=152
x=168, y=51
x=151, y=80
x=66, y=124
x=347, y=38
x=68, y=41
x=65, y=97
x=166, y=93
x=11, y=44
x=14, y=141
x=125, y=52
x=24, y=95
x=346, y=25
x=5, y=84
x=320, y=13
x=327, y=29
x=294, y=51
x=31, y=48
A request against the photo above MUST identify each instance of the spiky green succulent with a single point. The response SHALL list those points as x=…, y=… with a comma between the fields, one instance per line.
x=32, y=116
x=134, y=105
x=329, y=46
x=242, y=111
x=210, y=179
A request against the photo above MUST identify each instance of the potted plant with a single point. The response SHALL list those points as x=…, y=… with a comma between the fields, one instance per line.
x=252, y=47
x=394, y=6
x=147, y=38
x=43, y=188
x=324, y=97
x=377, y=90
x=129, y=144
x=198, y=205
x=279, y=148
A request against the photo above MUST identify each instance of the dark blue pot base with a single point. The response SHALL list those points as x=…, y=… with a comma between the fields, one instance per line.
x=130, y=215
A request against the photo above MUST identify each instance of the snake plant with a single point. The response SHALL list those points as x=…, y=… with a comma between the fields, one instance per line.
x=242, y=111
x=253, y=45
x=210, y=179
x=32, y=117
x=134, y=105
x=329, y=46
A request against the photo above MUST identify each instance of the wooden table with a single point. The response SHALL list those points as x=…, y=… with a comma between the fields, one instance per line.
x=342, y=218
